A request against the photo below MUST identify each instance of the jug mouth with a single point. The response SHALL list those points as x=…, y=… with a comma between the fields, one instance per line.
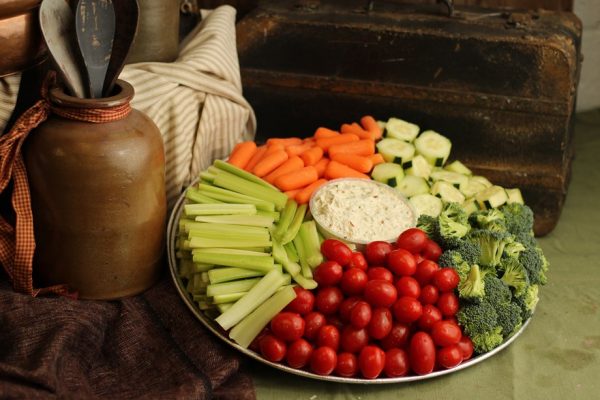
x=122, y=93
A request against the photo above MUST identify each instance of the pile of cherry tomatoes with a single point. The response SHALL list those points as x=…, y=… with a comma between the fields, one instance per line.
x=387, y=311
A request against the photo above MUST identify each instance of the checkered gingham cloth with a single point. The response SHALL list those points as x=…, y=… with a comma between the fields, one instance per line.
x=17, y=243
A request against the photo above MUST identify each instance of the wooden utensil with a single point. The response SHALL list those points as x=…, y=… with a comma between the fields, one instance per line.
x=56, y=22
x=126, y=17
x=95, y=29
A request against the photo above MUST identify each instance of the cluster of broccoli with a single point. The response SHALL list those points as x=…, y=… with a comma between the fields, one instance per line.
x=500, y=267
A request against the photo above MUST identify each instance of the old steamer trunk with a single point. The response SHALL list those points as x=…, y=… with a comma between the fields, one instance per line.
x=500, y=85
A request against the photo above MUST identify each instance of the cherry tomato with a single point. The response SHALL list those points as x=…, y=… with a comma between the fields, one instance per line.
x=303, y=303
x=353, y=340
x=445, y=279
x=425, y=271
x=358, y=261
x=398, y=336
x=336, y=250
x=380, y=293
x=418, y=258
x=328, y=299
x=335, y=320
x=255, y=345
x=407, y=309
x=445, y=333
x=347, y=365
x=381, y=323
x=360, y=315
x=376, y=252
x=429, y=294
x=421, y=353
x=323, y=360
x=431, y=251
x=448, y=304
x=466, y=347
x=451, y=319
x=381, y=273
x=272, y=348
x=408, y=286
x=346, y=307
x=329, y=336
x=401, y=262
x=396, y=363
x=313, y=322
x=328, y=273
x=353, y=281
x=288, y=326
x=449, y=356
x=412, y=239
x=298, y=353
x=371, y=361
x=430, y=316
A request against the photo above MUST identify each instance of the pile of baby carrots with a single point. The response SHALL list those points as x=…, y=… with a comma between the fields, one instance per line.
x=298, y=166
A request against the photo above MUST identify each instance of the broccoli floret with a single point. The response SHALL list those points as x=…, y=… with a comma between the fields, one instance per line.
x=535, y=265
x=469, y=252
x=477, y=318
x=484, y=342
x=515, y=276
x=497, y=293
x=528, y=301
x=491, y=244
x=453, y=259
x=513, y=249
x=527, y=239
x=509, y=318
x=430, y=226
x=454, y=225
x=491, y=219
x=518, y=217
x=473, y=286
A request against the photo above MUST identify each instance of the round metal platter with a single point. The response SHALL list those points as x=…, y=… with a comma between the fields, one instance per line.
x=172, y=228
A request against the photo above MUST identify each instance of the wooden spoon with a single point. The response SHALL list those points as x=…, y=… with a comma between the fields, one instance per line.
x=56, y=22
x=95, y=29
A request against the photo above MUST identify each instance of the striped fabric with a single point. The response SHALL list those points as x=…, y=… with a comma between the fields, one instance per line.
x=9, y=89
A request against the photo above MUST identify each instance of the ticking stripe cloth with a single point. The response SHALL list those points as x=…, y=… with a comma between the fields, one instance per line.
x=9, y=89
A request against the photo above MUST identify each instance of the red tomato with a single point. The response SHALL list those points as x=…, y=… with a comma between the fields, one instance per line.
x=430, y=316
x=328, y=273
x=288, y=326
x=353, y=340
x=425, y=271
x=272, y=348
x=446, y=279
x=347, y=365
x=323, y=360
x=346, y=307
x=335, y=320
x=448, y=304
x=376, y=252
x=431, y=251
x=398, y=336
x=449, y=356
x=303, y=303
x=418, y=258
x=298, y=353
x=396, y=363
x=328, y=299
x=429, y=294
x=466, y=347
x=313, y=322
x=445, y=333
x=401, y=262
x=371, y=361
x=358, y=261
x=353, y=281
x=360, y=315
x=380, y=273
x=407, y=309
x=381, y=323
x=421, y=353
x=380, y=293
x=408, y=286
x=412, y=239
x=336, y=250
x=255, y=345
x=451, y=319
x=329, y=336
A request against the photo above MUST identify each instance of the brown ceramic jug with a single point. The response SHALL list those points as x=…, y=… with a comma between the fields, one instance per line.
x=98, y=199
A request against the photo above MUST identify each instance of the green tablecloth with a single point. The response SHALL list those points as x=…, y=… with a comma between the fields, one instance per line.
x=556, y=357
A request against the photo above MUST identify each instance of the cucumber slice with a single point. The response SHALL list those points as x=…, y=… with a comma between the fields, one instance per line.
x=395, y=150
x=481, y=179
x=458, y=167
x=457, y=180
x=382, y=125
x=418, y=166
x=492, y=197
x=514, y=196
x=470, y=206
x=447, y=192
x=472, y=187
x=412, y=186
x=434, y=147
x=399, y=129
x=427, y=204
x=388, y=173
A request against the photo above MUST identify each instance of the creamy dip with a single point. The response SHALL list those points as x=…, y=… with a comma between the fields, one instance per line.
x=361, y=211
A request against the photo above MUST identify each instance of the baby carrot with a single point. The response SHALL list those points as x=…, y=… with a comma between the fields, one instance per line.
x=338, y=170
x=357, y=130
x=297, y=149
x=377, y=158
x=321, y=166
x=369, y=123
x=284, y=141
x=323, y=132
x=292, y=193
x=360, y=163
x=312, y=155
x=242, y=153
x=292, y=164
x=365, y=147
x=297, y=179
x=304, y=194
x=258, y=154
x=269, y=162
x=327, y=142
x=273, y=148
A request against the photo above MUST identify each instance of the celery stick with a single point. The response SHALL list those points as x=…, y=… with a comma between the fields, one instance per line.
x=312, y=247
x=183, y=223
x=219, y=209
x=228, y=298
x=240, y=185
x=196, y=285
x=244, y=220
x=248, y=328
x=229, y=196
x=225, y=166
x=224, y=307
x=220, y=275
x=287, y=215
x=306, y=283
x=196, y=197
x=271, y=214
x=291, y=252
x=207, y=176
x=200, y=228
x=204, y=306
x=280, y=256
x=201, y=242
x=242, y=235
x=183, y=255
x=259, y=263
x=305, y=268
x=185, y=268
x=241, y=252
x=294, y=227
x=242, y=285
x=200, y=267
